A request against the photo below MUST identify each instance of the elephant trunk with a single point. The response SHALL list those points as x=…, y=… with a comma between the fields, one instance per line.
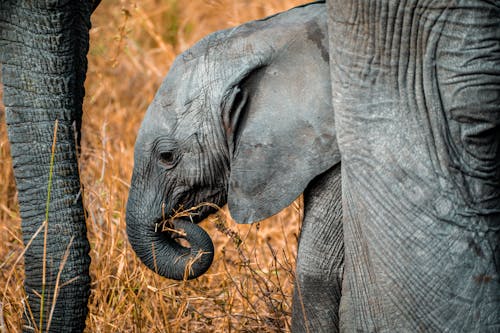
x=161, y=251
x=43, y=47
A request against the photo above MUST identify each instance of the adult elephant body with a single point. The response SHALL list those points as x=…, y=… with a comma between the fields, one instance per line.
x=43, y=47
x=415, y=89
x=245, y=117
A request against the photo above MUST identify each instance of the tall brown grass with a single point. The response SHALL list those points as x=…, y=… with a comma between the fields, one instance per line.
x=249, y=286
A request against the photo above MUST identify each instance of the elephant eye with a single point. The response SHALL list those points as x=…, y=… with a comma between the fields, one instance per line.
x=167, y=159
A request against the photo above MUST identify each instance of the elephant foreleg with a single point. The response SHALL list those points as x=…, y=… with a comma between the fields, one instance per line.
x=320, y=258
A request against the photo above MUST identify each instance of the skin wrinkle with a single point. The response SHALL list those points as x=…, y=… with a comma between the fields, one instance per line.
x=62, y=87
x=40, y=69
x=444, y=205
x=463, y=155
x=39, y=105
x=428, y=108
x=375, y=307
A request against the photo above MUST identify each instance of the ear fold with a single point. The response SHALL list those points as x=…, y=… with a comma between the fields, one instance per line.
x=231, y=114
x=282, y=129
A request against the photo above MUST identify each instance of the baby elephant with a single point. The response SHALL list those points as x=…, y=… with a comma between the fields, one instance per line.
x=245, y=117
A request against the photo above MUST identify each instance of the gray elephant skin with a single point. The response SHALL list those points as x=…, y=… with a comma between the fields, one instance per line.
x=416, y=89
x=245, y=116
x=43, y=47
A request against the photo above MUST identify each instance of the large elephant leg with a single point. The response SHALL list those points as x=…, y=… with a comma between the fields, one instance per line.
x=43, y=47
x=320, y=258
x=416, y=88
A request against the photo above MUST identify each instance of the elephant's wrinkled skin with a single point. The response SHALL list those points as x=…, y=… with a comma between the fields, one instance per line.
x=245, y=116
x=43, y=48
x=416, y=87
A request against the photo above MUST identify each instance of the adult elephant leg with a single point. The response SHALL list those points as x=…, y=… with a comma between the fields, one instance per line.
x=320, y=258
x=416, y=99
x=43, y=47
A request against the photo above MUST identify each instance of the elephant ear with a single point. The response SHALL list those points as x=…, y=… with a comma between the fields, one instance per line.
x=280, y=129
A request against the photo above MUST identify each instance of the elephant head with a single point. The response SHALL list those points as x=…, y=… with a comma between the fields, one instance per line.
x=243, y=116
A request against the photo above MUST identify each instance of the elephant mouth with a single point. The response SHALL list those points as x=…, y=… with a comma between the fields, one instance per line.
x=167, y=230
x=206, y=202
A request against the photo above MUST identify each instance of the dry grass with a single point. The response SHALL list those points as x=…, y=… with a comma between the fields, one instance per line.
x=249, y=285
